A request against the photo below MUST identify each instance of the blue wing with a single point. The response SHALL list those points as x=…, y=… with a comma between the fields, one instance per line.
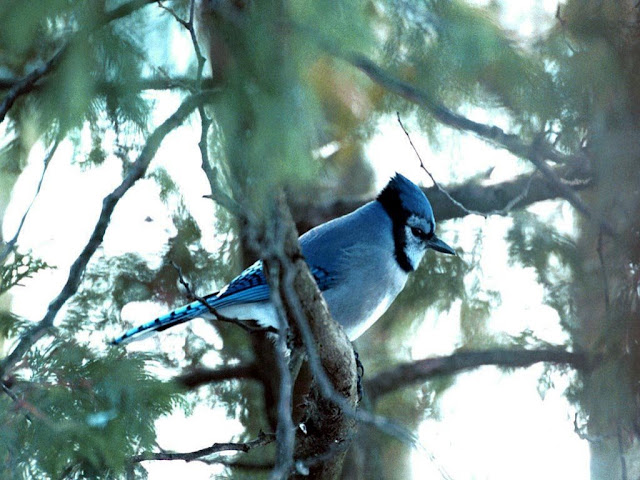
x=250, y=286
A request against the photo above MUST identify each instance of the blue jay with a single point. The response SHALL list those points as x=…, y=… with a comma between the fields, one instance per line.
x=360, y=261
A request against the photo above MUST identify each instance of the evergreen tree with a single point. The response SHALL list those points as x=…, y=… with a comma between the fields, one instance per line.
x=287, y=97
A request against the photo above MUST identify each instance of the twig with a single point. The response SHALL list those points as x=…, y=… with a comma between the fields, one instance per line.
x=173, y=13
x=244, y=324
x=285, y=430
x=31, y=412
x=262, y=440
x=14, y=397
x=436, y=184
x=136, y=171
x=11, y=243
x=563, y=26
x=216, y=193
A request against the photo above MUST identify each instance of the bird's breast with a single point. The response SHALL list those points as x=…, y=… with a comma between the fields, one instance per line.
x=370, y=285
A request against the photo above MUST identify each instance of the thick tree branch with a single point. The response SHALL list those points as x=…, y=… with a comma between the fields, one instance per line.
x=262, y=440
x=136, y=171
x=498, y=199
x=410, y=373
x=330, y=407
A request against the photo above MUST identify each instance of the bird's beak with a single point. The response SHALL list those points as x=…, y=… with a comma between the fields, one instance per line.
x=439, y=246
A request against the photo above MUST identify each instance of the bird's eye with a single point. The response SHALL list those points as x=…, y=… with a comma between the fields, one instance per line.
x=421, y=234
x=418, y=232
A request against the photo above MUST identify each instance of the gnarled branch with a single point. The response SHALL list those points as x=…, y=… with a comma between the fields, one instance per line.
x=410, y=373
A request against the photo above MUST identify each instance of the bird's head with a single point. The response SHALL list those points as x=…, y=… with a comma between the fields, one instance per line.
x=413, y=222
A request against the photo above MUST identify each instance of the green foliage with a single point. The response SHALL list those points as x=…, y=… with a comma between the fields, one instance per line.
x=17, y=267
x=346, y=24
x=112, y=282
x=12, y=325
x=81, y=414
x=460, y=55
x=554, y=258
x=28, y=27
x=12, y=155
x=475, y=311
x=165, y=182
x=91, y=81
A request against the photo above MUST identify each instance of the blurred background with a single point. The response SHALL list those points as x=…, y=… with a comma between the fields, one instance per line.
x=524, y=113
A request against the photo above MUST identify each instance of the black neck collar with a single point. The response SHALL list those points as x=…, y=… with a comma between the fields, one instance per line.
x=390, y=201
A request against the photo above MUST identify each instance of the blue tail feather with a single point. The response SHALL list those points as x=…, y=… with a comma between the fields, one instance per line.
x=176, y=317
x=248, y=287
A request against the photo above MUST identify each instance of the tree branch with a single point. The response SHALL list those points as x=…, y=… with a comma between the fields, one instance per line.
x=536, y=152
x=511, y=142
x=200, y=376
x=262, y=440
x=27, y=83
x=498, y=199
x=136, y=171
x=410, y=373
x=184, y=83
x=329, y=417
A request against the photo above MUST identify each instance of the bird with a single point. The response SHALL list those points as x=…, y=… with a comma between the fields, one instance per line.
x=360, y=262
